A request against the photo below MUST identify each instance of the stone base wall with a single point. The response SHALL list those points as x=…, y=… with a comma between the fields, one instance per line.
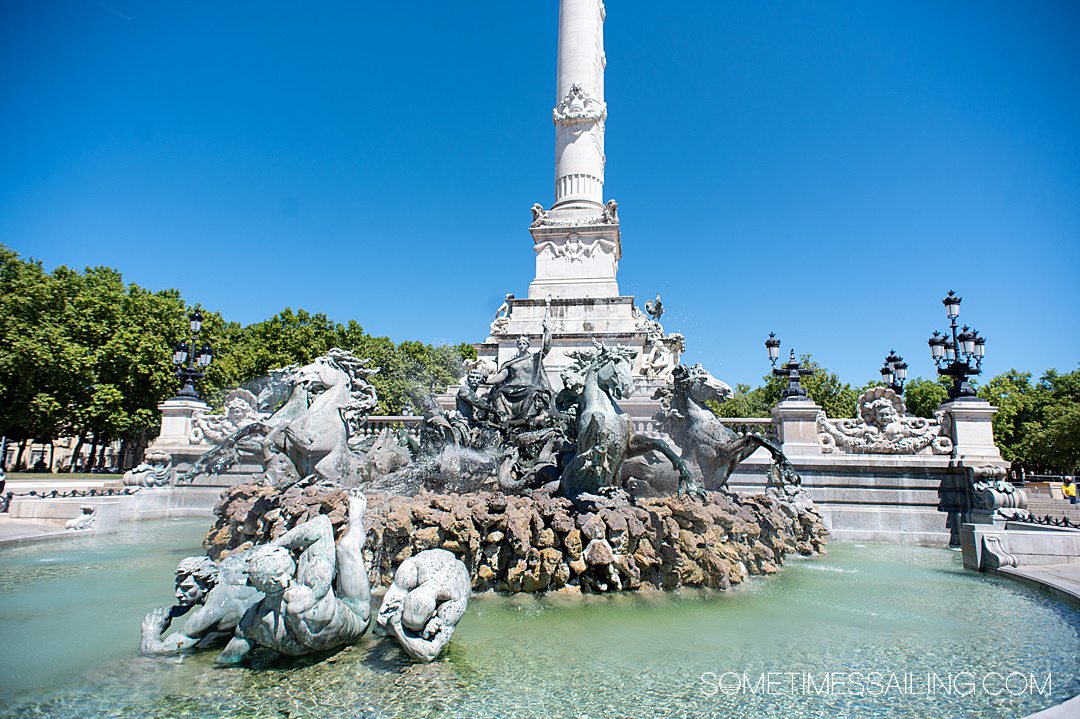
x=881, y=498
x=538, y=542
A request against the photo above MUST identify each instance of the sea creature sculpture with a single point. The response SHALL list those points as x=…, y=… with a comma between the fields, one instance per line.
x=308, y=436
x=426, y=601
x=218, y=593
x=317, y=603
x=604, y=434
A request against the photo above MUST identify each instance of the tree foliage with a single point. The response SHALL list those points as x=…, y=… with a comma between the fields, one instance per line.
x=836, y=397
x=923, y=396
x=82, y=354
x=1038, y=423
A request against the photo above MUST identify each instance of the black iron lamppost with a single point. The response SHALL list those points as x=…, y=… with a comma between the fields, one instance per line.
x=792, y=370
x=960, y=355
x=191, y=362
x=894, y=372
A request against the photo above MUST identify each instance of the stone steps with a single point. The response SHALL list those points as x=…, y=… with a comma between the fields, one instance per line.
x=1040, y=505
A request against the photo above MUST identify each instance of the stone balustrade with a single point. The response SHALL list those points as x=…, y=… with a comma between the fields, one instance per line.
x=374, y=424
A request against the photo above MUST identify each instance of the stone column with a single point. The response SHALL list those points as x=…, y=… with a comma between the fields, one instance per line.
x=577, y=242
x=980, y=494
x=580, y=109
x=797, y=421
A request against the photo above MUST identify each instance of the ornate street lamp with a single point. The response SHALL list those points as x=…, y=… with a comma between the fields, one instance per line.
x=792, y=370
x=894, y=372
x=190, y=362
x=959, y=353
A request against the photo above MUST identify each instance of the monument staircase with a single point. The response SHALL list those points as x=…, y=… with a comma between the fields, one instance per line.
x=1043, y=504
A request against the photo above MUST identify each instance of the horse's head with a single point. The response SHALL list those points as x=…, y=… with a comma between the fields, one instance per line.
x=613, y=367
x=338, y=368
x=320, y=375
x=700, y=386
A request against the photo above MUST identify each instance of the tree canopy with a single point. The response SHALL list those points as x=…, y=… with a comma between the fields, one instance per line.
x=84, y=354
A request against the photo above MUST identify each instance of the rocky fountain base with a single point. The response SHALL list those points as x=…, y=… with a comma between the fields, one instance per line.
x=538, y=542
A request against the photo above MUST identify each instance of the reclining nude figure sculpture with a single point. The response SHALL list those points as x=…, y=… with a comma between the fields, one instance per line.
x=426, y=601
x=316, y=604
x=224, y=594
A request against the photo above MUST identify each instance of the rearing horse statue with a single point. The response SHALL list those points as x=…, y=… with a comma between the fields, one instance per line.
x=705, y=441
x=308, y=435
x=605, y=434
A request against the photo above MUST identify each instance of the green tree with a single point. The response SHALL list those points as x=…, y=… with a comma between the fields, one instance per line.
x=923, y=396
x=836, y=397
x=1019, y=403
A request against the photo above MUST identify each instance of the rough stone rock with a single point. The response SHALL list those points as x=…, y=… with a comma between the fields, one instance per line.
x=573, y=544
x=538, y=542
x=599, y=552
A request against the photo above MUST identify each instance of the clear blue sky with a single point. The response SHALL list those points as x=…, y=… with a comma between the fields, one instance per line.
x=826, y=170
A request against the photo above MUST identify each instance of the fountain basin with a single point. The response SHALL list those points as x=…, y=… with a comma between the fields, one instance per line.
x=70, y=612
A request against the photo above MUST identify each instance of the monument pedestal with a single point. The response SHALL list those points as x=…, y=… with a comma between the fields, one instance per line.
x=797, y=422
x=177, y=421
x=973, y=432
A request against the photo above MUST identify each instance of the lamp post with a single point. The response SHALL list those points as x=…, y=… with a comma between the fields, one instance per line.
x=792, y=370
x=958, y=353
x=191, y=362
x=894, y=372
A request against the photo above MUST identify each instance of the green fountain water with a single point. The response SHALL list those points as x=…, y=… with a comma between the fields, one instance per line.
x=70, y=616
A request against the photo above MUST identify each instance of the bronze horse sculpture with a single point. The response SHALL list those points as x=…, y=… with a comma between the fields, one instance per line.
x=307, y=437
x=604, y=437
x=715, y=449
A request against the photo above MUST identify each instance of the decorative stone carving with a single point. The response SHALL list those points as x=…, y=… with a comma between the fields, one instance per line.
x=538, y=214
x=219, y=594
x=241, y=409
x=660, y=361
x=428, y=598
x=990, y=492
x=86, y=520
x=676, y=342
x=604, y=218
x=994, y=554
x=502, y=316
x=317, y=603
x=883, y=427
x=574, y=248
x=610, y=213
x=484, y=366
x=577, y=107
x=156, y=470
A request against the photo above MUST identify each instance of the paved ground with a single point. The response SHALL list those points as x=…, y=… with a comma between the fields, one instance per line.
x=21, y=485
x=1060, y=580
x=17, y=531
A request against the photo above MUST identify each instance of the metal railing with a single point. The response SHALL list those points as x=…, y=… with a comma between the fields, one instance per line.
x=1048, y=520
